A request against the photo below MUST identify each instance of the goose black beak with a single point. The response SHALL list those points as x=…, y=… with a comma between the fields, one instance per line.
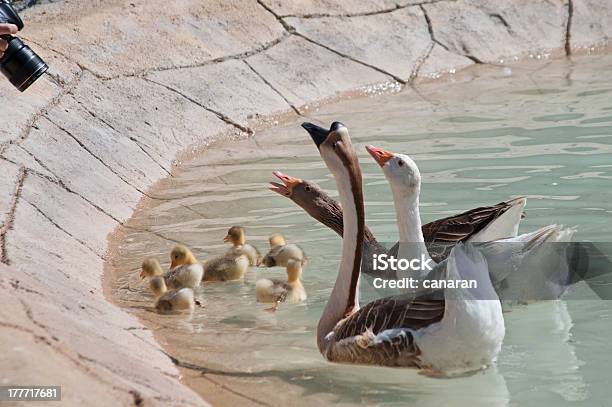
x=317, y=133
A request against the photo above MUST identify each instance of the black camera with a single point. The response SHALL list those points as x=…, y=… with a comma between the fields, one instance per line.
x=21, y=66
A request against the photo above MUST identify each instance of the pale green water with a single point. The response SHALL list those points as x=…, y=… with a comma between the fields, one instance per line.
x=543, y=132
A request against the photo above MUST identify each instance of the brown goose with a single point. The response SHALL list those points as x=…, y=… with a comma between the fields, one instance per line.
x=440, y=235
x=437, y=335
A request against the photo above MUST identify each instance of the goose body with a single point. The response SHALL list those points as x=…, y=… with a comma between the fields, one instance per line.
x=185, y=271
x=470, y=334
x=276, y=291
x=236, y=235
x=247, y=250
x=185, y=276
x=281, y=252
x=226, y=268
x=176, y=300
x=182, y=299
x=398, y=331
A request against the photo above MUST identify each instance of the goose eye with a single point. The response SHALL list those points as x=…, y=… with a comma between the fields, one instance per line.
x=400, y=163
x=307, y=188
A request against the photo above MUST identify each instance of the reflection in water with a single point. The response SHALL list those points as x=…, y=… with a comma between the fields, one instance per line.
x=545, y=134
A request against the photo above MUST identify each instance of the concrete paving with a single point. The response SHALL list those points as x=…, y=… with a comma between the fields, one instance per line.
x=135, y=83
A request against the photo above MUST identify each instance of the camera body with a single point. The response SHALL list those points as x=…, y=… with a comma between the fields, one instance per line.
x=21, y=66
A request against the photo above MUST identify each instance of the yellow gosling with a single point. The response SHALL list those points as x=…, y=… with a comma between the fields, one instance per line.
x=236, y=235
x=185, y=270
x=277, y=291
x=282, y=252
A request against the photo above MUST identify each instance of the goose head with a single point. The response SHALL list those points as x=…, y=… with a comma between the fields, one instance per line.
x=236, y=235
x=307, y=195
x=298, y=190
x=277, y=239
x=181, y=256
x=401, y=172
x=336, y=149
x=289, y=186
x=150, y=268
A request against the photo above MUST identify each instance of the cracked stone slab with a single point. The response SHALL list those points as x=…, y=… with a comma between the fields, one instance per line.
x=149, y=34
x=330, y=7
x=24, y=107
x=49, y=331
x=492, y=31
x=304, y=72
x=441, y=62
x=229, y=87
x=80, y=171
x=118, y=152
x=8, y=178
x=26, y=360
x=91, y=227
x=62, y=259
x=396, y=42
x=162, y=122
x=19, y=156
x=591, y=24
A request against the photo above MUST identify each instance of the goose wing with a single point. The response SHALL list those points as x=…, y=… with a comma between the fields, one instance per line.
x=457, y=228
x=269, y=260
x=531, y=267
x=218, y=266
x=382, y=331
x=442, y=234
x=281, y=289
x=400, y=312
x=171, y=278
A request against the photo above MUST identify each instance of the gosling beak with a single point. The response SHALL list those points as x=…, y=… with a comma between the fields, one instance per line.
x=142, y=275
x=173, y=264
x=317, y=133
x=289, y=182
x=381, y=156
x=227, y=238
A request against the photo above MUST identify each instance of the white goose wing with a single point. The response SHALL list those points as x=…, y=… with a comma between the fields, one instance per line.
x=530, y=267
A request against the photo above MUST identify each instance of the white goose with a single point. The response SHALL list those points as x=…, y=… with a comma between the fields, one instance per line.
x=463, y=332
x=522, y=268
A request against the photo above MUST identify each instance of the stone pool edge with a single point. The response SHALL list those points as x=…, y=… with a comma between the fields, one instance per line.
x=79, y=153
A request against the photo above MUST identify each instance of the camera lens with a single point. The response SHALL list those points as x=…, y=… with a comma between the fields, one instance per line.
x=21, y=66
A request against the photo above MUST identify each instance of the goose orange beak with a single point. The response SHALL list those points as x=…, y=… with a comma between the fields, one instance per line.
x=142, y=275
x=381, y=156
x=227, y=238
x=286, y=188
